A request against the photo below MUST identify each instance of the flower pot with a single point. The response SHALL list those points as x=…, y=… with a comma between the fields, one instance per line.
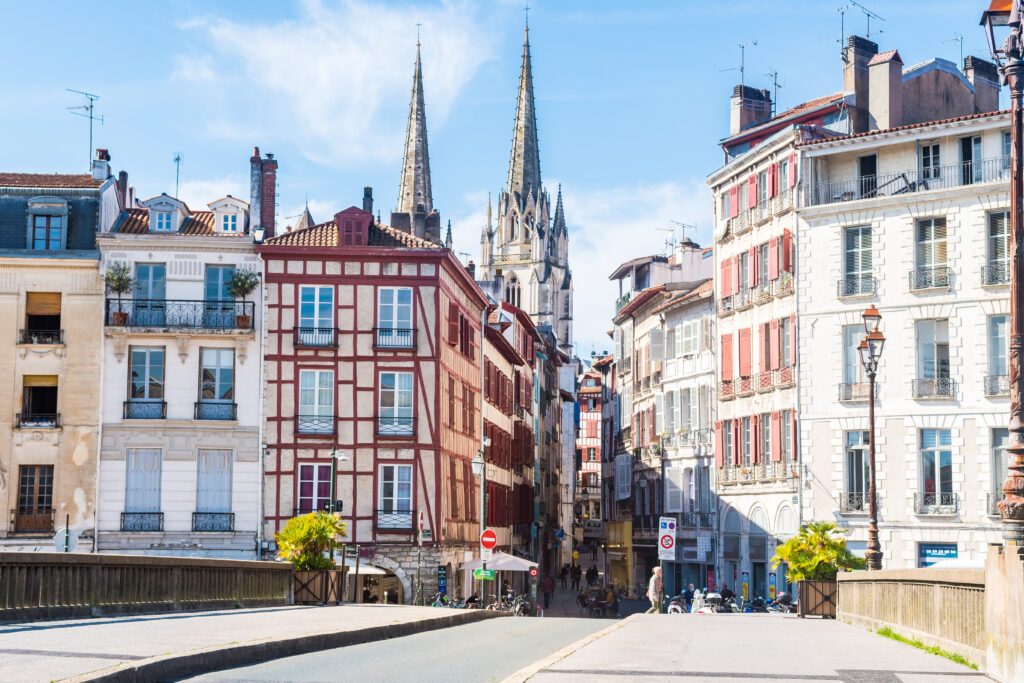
x=120, y=318
x=318, y=586
x=243, y=321
x=817, y=599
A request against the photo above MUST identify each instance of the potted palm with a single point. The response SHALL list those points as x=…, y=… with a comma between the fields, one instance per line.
x=813, y=559
x=305, y=542
x=240, y=285
x=118, y=280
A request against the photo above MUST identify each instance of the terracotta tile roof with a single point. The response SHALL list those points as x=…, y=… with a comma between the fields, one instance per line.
x=136, y=222
x=326, y=235
x=586, y=391
x=792, y=112
x=705, y=288
x=909, y=126
x=604, y=361
x=883, y=57
x=57, y=180
x=639, y=300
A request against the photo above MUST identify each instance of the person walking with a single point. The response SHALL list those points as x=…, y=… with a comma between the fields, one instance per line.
x=563, y=574
x=688, y=596
x=548, y=587
x=576, y=574
x=655, y=591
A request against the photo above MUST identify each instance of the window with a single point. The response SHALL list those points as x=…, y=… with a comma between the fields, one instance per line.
x=512, y=290
x=394, y=317
x=997, y=270
x=47, y=232
x=42, y=318
x=852, y=336
x=783, y=173
x=725, y=205
x=314, y=488
x=671, y=350
x=146, y=382
x=1000, y=442
x=219, y=306
x=1006, y=150
x=690, y=339
x=762, y=187
x=727, y=441
x=394, y=497
x=39, y=402
x=744, y=271
x=216, y=385
x=229, y=222
x=142, y=490
x=745, y=442
x=394, y=416
x=788, y=447
x=762, y=264
x=933, y=349
x=316, y=315
x=867, y=172
x=857, y=272
x=164, y=220
x=998, y=325
x=857, y=476
x=786, y=345
x=316, y=402
x=213, y=491
x=670, y=412
x=931, y=242
x=936, y=468
x=591, y=455
x=930, y=161
x=766, y=437
x=970, y=156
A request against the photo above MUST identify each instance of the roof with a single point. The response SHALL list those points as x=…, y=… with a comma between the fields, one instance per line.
x=796, y=112
x=56, y=180
x=600, y=362
x=909, y=126
x=639, y=300
x=326, y=235
x=632, y=263
x=200, y=223
x=586, y=391
x=705, y=288
x=887, y=56
x=566, y=396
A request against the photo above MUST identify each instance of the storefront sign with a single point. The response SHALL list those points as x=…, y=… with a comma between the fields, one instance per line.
x=930, y=553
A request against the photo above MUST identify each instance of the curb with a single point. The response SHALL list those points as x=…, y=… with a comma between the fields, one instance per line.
x=526, y=673
x=178, y=666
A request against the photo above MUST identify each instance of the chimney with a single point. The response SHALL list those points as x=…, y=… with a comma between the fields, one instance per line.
x=984, y=76
x=122, y=188
x=368, y=199
x=101, y=164
x=856, y=56
x=471, y=269
x=885, y=91
x=748, y=107
x=262, y=192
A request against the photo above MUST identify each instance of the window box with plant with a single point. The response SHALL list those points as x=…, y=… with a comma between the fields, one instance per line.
x=241, y=284
x=306, y=542
x=118, y=279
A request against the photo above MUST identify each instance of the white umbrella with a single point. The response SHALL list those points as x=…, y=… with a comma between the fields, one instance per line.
x=501, y=562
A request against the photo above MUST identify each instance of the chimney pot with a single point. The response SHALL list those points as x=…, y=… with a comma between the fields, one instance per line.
x=748, y=107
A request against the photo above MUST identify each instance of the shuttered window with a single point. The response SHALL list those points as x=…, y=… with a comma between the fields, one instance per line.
x=142, y=480
x=852, y=335
x=931, y=242
x=42, y=303
x=857, y=251
x=213, y=484
x=998, y=240
x=674, y=489
x=997, y=344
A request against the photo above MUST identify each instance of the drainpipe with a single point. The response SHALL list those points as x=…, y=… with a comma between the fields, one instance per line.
x=261, y=434
x=797, y=445
x=99, y=428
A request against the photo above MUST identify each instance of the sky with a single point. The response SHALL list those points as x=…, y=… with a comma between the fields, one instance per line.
x=632, y=100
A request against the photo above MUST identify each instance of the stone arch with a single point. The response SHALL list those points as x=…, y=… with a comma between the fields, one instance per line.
x=513, y=291
x=403, y=578
x=732, y=522
x=785, y=523
x=758, y=521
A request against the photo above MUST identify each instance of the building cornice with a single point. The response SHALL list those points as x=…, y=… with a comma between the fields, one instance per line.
x=875, y=139
x=873, y=204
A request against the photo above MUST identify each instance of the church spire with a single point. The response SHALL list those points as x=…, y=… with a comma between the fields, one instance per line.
x=558, y=225
x=414, y=190
x=524, y=166
x=448, y=235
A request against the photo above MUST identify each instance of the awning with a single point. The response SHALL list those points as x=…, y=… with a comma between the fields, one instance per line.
x=500, y=562
x=365, y=569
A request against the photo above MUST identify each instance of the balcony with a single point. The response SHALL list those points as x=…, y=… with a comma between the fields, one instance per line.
x=216, y=410
x=742, y=300
x=726, y=390
x=782, y=202
x=37, y=420
x=142, y=521
x=744, y=386
x=521, y=257
x=783, y=285
x=32, y=521
x=853, y=502
x=992, y=503
x=764, y=381
x=762, y=473
x=856, y=285
x=396, y=426
x=315, y=338
x=622, y=301
x=930, y=277
x=180, y=314
x=694, y=437
x=645, y=525
x=941, y=388
x=784, y=377
x=995, y=274
x=997, y=385
x=725, y=306
x=908, y=182
x=394, y=520
x=213, y=521
x=762, y=293
x=314, y=424
x=40, y=336
x=856, y=392
x=740, y=224
x=145, y=410
x=394, y=338
x=936, y=503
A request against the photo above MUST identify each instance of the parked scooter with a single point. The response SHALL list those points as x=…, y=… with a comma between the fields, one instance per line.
x=756, y=606
x=783, y=602
x=677, y=605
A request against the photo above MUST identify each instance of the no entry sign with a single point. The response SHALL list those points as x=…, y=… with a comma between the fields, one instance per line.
x=666, y=538
x=488, y=539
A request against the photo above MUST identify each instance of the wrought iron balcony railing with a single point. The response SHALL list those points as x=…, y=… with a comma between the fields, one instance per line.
x=936, y=503
x=857, y=285
x=180, y=314
x=762, y=293
x=853, y=502
x=315, y=337
x=142, y=521
x=41, y=336
x=745, y=386
x=764, y=381
x=394, y=520
x=995, y=273
x=145, y=410
x=213, y=521
x=997, y=385
x=783, y=285
x=857, y=391
x=931, y=277
x=394, y=338
x=396, y=426
x=37, y=420
x=784, y=377
x=940, y=387
x=216, y=410
x=314, y=424
x=726, y=390
x=645, y=524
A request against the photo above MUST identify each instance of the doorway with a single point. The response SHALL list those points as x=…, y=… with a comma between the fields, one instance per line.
x=35, y=499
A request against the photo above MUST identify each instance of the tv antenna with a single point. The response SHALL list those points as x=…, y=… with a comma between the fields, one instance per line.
x=177, y=173
x=465, y=255
x=86, y=111
x=958, y=38
x=774, y=75
x=868, y=15
x=742, y=68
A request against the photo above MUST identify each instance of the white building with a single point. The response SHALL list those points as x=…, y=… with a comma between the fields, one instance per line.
x=922, y=236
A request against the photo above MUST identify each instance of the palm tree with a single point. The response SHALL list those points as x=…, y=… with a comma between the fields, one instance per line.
x=817, y=553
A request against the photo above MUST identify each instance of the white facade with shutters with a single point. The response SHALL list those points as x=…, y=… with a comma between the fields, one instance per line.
x=924, y=240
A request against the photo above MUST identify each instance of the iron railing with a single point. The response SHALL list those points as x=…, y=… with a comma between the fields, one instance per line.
x=142, y=521
x=764, y=381
x=995, y=273
x=180, y=314
x=853, y=501
x=216, y=410
x=37, y=420
x=856, y=285
x=946, y=503
x=693, y=437
x=939, y=387
x=314, y=424
x=726, y=390
x=745, y=386
x=145, y=410
x=783, y=285
x=856, y=391
x=394, y=338
x=992, y=499
x=396, y=426
x=394, y=520
x=784, y=377
x=213, y=521
x=997, y=385
x=645, y=524
x=759, y=473
x=931, y=277
x=41, y=336
x=762, y=293
x=315, y=337
x=907, y=182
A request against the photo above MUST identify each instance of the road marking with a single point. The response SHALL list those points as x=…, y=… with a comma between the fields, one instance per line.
x=526, y=673
x=62, y=653
x=842, y=675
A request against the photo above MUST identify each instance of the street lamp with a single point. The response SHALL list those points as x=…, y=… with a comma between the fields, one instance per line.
x=479, y=466
x=870, y=350
x=1004, y=17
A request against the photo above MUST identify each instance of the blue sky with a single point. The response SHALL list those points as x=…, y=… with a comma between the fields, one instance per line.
x=632, y=98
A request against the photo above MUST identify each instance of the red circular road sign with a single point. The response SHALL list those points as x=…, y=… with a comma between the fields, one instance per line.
x=667, y=542
x=488, y=539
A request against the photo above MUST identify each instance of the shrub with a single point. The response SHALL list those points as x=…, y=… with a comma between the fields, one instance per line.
x=118, y=279
x=305, y=540
x=242, y=283
x=817, y=553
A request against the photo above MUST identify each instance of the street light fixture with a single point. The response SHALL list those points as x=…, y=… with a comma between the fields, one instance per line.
x=870, y=350
x=1003, y=17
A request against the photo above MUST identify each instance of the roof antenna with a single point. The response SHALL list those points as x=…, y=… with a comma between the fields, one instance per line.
x=86, y=111
x=958, y=38
x=177, y=173
x=774, y=75
x=868, y=14
x=742, y=68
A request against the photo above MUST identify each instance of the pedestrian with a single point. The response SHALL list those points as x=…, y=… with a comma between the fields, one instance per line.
x=592, y=576
x=576, y=574
x=563, y=574
x=654, y=591
x=549, y=588
x=688, y=596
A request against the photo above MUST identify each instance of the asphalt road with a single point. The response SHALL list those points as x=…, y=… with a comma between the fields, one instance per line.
x=486, y=651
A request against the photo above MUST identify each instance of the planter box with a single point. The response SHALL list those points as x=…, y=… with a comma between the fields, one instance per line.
x=817, y=599
x=318, y=587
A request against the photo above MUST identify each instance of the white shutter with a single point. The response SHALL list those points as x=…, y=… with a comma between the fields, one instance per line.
x=659, y=413
x=142, y=480
x=674, y=489
x=705, y=337
x=213, y=485
x=618, y=343
x=623, y=476
x=704, y=394
x=670, y=411
x=679, y=409
x=679, y=340
x=685, y=422
x=657, y=345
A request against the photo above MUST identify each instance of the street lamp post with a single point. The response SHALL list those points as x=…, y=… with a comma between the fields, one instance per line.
x=479, y=464
x=1005, y=16
x=870, y=353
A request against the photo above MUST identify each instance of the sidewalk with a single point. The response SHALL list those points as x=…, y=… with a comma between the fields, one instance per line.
x=171, y=645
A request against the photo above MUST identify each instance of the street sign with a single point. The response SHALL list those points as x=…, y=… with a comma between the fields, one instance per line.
x=486, y=554
x=488, y=539
x=533, y=575
x=483, y=574
x=442, y=579
x=66, y=540
x=667, y=539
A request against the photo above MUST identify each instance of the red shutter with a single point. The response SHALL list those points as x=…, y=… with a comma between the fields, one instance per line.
x=734, y=201
x=727, y=357
x=734, y=271
x=792, y=169
x=787, y=251
x=775, y=345
x=796, y=431
x=792, y=340
x=453, y=323
x=736, y=441
x=773, y=258
x=776, y=436
x=752, y=191
x=752, y=270
x=744, y=338
x=762, y=346
x=773, y=180
x=755, y=436
x=723, y=281
x=719, y=454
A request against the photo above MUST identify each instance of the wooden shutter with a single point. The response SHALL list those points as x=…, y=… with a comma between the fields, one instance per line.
x=751, y=191
x=453, y=323
x=736, y=441
x=796, y=431
x=734, y=201
x=744, y=344
x=42, y=303
x=723, y=281
x=792, y=340
x=752, y=270
x=792, y=169
x=734, y=269
x=39, y=380
x=773, y=180
x=719, y=454
x=773, y=258
x=776, y=436
x=787, y=252
x=755, y=437
x=727, y=357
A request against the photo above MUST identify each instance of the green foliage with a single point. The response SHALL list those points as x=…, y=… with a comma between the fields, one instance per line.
x=887, y=632
x=242, y=283
x=305, y=540
x=118, y=279
x=817, y=553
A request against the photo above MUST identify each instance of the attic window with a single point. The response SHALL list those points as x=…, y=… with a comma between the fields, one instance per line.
x=229, y=222
x=162, y=221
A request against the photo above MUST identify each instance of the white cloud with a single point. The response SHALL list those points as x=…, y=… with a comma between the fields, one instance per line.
x=337, y=77
x=194, y=69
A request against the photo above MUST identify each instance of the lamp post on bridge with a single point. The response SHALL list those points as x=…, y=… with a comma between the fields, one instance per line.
x=870, y=350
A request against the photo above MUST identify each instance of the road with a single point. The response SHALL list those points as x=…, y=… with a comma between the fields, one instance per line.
x=486, y=651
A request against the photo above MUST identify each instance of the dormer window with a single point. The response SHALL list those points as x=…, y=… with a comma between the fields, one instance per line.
x=229, y=222
x=164, y=220
x=47, y=224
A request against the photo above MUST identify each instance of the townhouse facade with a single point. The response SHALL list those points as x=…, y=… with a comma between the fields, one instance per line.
x=590, y=454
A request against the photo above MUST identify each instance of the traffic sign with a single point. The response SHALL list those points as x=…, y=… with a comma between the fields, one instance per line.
x=488, y=539
x=533, y=574
x=486, y=554
x=483, y=574
x=666, y=538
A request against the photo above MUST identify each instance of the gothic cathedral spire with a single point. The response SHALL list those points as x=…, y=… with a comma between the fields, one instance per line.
x=414, y=194
x=558, y=224
x=524, y=166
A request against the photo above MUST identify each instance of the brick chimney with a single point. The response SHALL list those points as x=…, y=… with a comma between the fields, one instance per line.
x=262, y=192
x=748, y=107
x=885, y=91
x=856, y=56
x=984, y=76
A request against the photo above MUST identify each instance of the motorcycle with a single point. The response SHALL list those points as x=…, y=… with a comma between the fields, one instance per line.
x=756, y=606
x=783, y=602
x=677, y=605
